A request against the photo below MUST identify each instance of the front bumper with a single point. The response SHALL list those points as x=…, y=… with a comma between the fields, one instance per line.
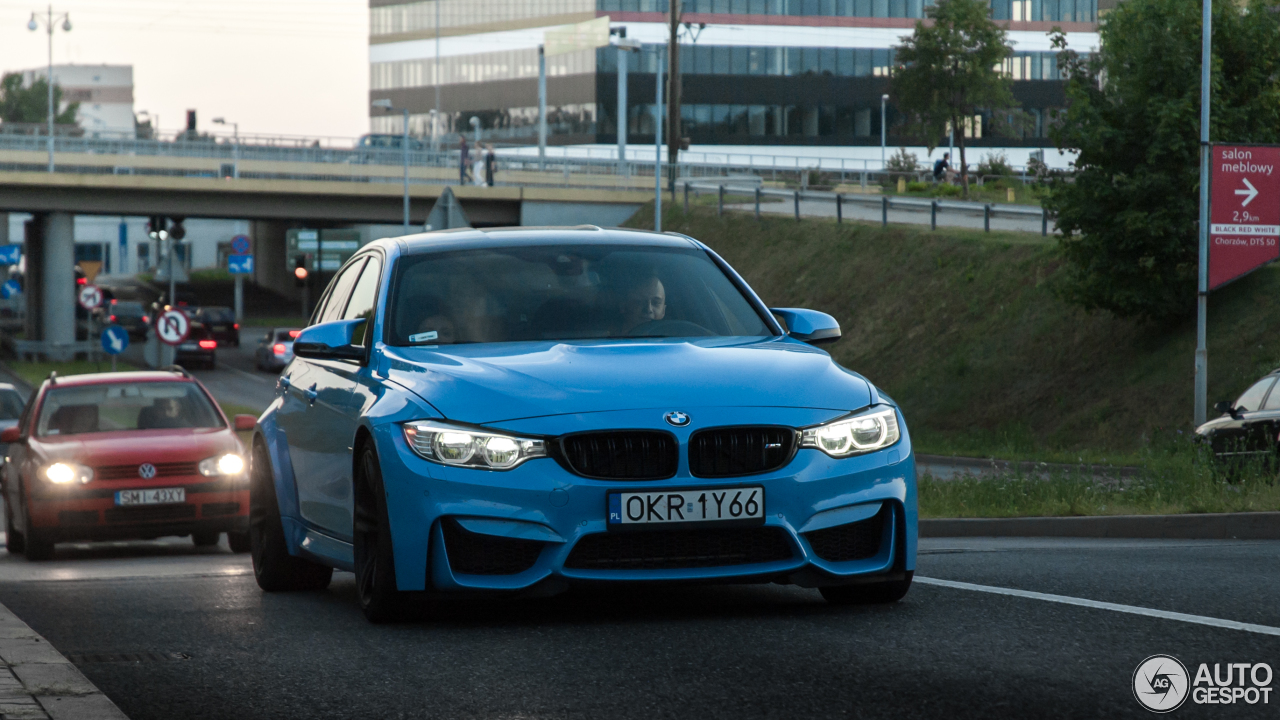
x=89, y=513
x=540, y=520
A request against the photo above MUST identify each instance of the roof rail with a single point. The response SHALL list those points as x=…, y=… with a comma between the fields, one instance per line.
x=53, y=377
x=177, y=369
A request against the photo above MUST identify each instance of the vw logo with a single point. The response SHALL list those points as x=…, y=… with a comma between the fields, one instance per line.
x=677, y=418
x=146, y=471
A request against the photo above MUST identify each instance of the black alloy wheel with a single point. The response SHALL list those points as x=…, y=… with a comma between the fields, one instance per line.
x=273, y=567
x=375, y=562
x=881, y=593
x=14, y=540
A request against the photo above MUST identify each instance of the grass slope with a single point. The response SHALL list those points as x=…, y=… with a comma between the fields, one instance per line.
x=965, y=331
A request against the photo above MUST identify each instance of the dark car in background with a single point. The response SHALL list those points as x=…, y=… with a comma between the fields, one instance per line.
x=200, y=349
x=275, y=349
x=1247, y=429
x=221, y=324
x=130, y=315
x=12, y=401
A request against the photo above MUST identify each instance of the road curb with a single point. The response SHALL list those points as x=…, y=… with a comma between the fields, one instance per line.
x=1207, y=526
x=38, y=683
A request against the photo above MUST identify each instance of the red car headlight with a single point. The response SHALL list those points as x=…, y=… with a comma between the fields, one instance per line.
x=66, y=473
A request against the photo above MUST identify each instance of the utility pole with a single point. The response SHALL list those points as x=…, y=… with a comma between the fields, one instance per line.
x=1202, y=297
x=673, y=92
x=435, y=132
x=49, y=22
x=657, y=149
x=542, y=107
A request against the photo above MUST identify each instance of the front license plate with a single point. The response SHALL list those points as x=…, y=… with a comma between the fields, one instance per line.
x=159, y=496
x=684, y=506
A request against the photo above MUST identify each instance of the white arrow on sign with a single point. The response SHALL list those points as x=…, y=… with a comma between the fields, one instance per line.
x=117, y=343
x=1252, y=192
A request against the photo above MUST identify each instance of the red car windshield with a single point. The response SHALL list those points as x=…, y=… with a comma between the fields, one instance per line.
x=125, y=406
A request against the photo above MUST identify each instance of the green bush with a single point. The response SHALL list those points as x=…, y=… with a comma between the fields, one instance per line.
x=902, y=162
x=995, y=163
x=918, y=187
x=950, y=190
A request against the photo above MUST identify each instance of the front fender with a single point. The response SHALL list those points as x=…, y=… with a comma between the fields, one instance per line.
x=282, y=475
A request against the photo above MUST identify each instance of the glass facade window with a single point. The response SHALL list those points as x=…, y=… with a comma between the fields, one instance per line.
x=1085, y=11
x=478, y=68
x=838, y=62
x=518, y=122
x=418, y=17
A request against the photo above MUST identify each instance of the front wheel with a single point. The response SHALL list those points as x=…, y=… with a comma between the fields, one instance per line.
x=877, y=594
x=273, y=567
x=14, y=540
x=375, y=562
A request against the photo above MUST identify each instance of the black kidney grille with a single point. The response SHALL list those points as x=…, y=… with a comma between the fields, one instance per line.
x=674, y=549
x=726, y=452
x=476, y=554
x=621, y=455
x=853, y=541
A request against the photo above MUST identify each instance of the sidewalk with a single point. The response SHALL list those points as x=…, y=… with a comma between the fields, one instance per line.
x=38, y=683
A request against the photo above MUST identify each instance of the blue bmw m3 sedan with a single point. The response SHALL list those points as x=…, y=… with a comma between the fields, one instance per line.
x=519, y=410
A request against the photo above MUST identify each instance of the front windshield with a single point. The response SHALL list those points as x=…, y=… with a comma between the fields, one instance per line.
x=125, y=406
x=565, y=292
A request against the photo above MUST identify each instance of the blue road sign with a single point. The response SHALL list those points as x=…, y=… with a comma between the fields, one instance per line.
x=114, y=339
x=240, y=245
x=9, y=254
x=9, y=289
x=240, y=264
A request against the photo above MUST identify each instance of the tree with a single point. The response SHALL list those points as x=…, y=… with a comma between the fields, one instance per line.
x=950, y=69
x=1129, y=215
x=20, y=104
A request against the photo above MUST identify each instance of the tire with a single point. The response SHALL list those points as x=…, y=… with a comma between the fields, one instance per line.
x=376, y=589
x=14, y=540
x=882, y=593
x=206, y=538
x=273, y=567
x=240, y=542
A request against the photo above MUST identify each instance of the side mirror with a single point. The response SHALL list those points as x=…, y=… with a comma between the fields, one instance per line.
x=810, y=326
x=245, y=422
x=329, y=341
x=11, y=435
x=1222, y=406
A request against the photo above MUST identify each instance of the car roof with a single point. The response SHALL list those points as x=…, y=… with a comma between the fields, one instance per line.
x=119, y=377
x=8, y=386
x=468, y=238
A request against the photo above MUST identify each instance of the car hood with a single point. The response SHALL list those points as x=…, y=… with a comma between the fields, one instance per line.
x=488, y=383
x=123, y=448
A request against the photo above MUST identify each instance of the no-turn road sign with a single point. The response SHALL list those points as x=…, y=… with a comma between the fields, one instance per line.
x=90, y=297
x=1244, y=215
x=172, y=327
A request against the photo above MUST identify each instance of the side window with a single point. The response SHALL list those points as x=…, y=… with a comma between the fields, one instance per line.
x=362, y=300
x=1252, y=398
x=1273, y=400
x=341, y=290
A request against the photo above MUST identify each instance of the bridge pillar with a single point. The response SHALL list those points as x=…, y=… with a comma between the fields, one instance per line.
x=33, y=249
x=58, y=282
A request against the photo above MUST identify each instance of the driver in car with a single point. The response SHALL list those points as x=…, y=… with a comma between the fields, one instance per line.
x=644, y=302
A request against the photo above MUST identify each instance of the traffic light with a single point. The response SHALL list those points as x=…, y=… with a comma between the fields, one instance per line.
x=176, y=231
x=300, y=271
x=155, y=226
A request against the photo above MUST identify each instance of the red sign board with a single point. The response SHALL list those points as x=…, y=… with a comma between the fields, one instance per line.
x=1244, y=210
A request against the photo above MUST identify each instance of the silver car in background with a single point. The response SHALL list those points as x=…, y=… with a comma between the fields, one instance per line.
x=275, y=349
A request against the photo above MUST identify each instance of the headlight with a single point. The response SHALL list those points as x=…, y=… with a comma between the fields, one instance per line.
x=866, y=432
x=229, y=464
x=63, y=473
x=464, y=447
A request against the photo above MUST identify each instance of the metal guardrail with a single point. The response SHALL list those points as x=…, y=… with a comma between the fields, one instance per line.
x=290, y=158
x=886, y=202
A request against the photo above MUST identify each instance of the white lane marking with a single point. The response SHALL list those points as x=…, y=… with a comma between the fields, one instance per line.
x=1114, y=607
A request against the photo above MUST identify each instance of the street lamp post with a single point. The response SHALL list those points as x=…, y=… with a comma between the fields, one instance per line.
x=235, y=145
x=883, y=99
x=50, y=23
x=385, y=104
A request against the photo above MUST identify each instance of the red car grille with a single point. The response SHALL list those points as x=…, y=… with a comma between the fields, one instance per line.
x=130, y=472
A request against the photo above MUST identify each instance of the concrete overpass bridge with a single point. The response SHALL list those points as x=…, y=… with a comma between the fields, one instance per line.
x=273, y=206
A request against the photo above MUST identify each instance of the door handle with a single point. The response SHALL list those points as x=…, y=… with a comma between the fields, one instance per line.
x=311, y=394
x=285, y=384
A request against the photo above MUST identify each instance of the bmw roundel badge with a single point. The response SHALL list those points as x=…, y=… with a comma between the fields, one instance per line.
x=677, y=418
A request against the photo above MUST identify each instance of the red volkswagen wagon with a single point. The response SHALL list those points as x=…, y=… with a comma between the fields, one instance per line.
x=124, y=456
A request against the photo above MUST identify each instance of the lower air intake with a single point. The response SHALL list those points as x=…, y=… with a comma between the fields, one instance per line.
x=476, y=554
x=853, y=541
x=675, y=549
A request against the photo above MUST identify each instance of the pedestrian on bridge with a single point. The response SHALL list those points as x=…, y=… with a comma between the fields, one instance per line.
x=464, y=165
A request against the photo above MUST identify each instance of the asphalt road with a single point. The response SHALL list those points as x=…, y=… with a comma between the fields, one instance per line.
x=168, y=631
